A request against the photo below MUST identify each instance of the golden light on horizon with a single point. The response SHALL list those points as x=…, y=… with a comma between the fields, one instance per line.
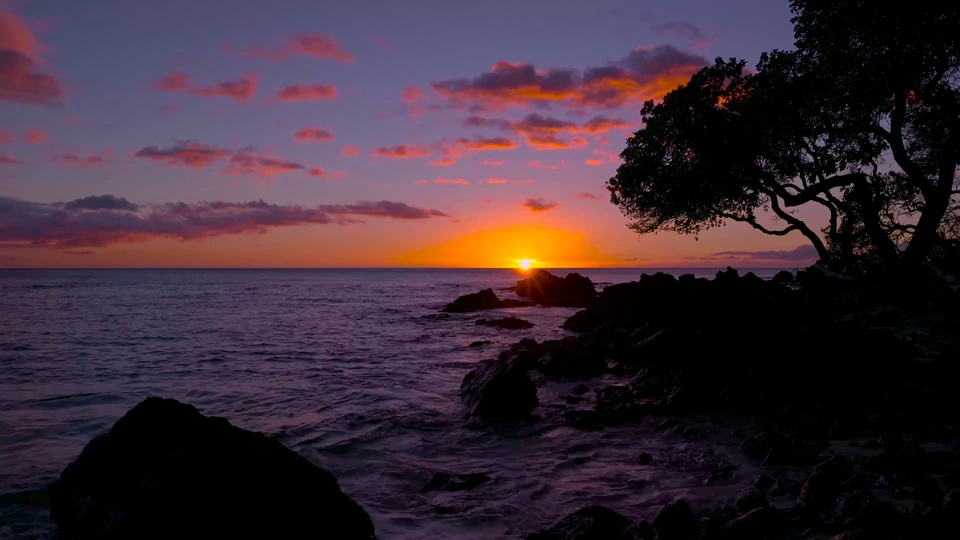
x=525, y=263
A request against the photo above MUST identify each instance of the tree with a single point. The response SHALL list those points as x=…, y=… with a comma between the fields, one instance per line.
x=862, y=119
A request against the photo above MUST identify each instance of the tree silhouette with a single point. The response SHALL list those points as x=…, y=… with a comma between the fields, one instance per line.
x=862, y=120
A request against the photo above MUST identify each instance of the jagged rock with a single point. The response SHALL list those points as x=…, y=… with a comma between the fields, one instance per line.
x=569, y=359
x=588, y=522
x=442, y=481
x=166, y=471
x=501, y=387
x=506, y=323
x=759, y=524
x=750, y=499
x=783, y=276
x=676, y=521
x=547, y=289
x=485, y=299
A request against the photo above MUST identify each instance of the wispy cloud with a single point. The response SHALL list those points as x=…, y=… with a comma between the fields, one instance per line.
x=241, y=91
x=20, y=77
x=307, y=92
x=313, y=134
x=539, y=205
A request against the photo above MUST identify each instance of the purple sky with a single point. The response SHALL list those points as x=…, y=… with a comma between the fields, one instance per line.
x=433, y=121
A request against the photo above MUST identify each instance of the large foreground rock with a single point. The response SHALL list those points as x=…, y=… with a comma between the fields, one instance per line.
x=547, y=289
x=501, y=387
x=166, y=471
x=588, y=522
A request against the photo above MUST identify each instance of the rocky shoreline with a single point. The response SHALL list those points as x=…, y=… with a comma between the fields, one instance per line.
x=839, y=392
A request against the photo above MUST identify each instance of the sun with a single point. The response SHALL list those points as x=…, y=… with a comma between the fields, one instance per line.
x=525, y=263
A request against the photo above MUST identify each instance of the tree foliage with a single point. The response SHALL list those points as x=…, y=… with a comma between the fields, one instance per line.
x=862, y=119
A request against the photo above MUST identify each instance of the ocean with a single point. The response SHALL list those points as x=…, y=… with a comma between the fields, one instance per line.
x=345, y=366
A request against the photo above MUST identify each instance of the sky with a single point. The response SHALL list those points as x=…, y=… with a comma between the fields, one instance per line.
x=350, y=134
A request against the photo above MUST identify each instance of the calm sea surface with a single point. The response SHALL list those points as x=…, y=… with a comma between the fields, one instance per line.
x=340, y=365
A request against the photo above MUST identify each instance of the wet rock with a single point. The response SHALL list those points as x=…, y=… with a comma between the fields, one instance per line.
x=676, y=521
x=485, y=299
x=569, y=359
x=751, y=499
x=588, y=522
x=479, y=343
x=720, y=516
x=784, y=487
x=927, y=490
x=584, y=419
x=720, y=474
x=616, y=403
x=442, y=481
x=763, y=483
x=860, y=510
x=506, y=323
x=501, y=387
x=645, y=458
x=166, y=471
x=759, y=524
x=547, y=289
x=823, y=486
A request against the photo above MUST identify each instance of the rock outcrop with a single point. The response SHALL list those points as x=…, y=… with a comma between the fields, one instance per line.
x=166, y=471
x=485, y=299
x=546, y=289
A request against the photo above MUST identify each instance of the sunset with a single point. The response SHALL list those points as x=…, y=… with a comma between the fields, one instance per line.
x=567, y=270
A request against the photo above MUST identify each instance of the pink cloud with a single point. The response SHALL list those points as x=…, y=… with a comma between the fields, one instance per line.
x=7, y=160
x=544, y=132
x=496, y=180
x=421, y=182
x=189, y=154
x=20, y=79
x=245, y=162
x=492, y=163
x=241, y=91
x=303, y=92
x=350, y=151
x=595, y=162
x=487, y=143
x=413, y=94
x=319, y=172
x=313, y=134
x=316, y=45
x=457, y=181
x=535, y=164
x=34, y=136
x=402, y=151
x=585, y=195
x=444, y=161
x=68, y=159
x=539, y=205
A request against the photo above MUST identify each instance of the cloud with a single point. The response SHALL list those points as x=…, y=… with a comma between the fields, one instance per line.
x=421, y=182
x=34, y=136
x=101, y=202
x=492, y=163
x=68, y=159
x=248, y=163
x=103, y=220
x=799, y=254
x=186, y=153
x=19, y=55
x=403, y=151
x=444, y=161
x=459, y=181
x=413, y=94
x=241, y=91
x=313, y=134
x=683, y=29
x=316, y=45
x=350, y=151
x=542, y=132
x=492, y=180
x=535, y=164
x=585, y=195
x=7, y=160
x=539, y=205
x=319, y=172
x=303, y=92
x=645, y=73
x=487, y=143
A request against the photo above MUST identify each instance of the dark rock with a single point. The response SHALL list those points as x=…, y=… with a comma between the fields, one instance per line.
x=579, y=389
x=720, y=516
x=785, y=486
x=506, y=323
x=501, y=387
x=763, y=483
x=485, y=299
x=750, y=499
x=927, y=490
x=166, y=471
x=871, y=444
x=822, y=487
x=584, y=419
x=719, y=474
x=442, y=481
x=588, y=522
x=676, y=521
x=759, y=445
x=616, y=403
x=645, y=458
x=665, y=425
x=479, y=343
x=759, y=524
x=783, y=276
x=569, y=359
x=860, y=510
x=544, y=288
